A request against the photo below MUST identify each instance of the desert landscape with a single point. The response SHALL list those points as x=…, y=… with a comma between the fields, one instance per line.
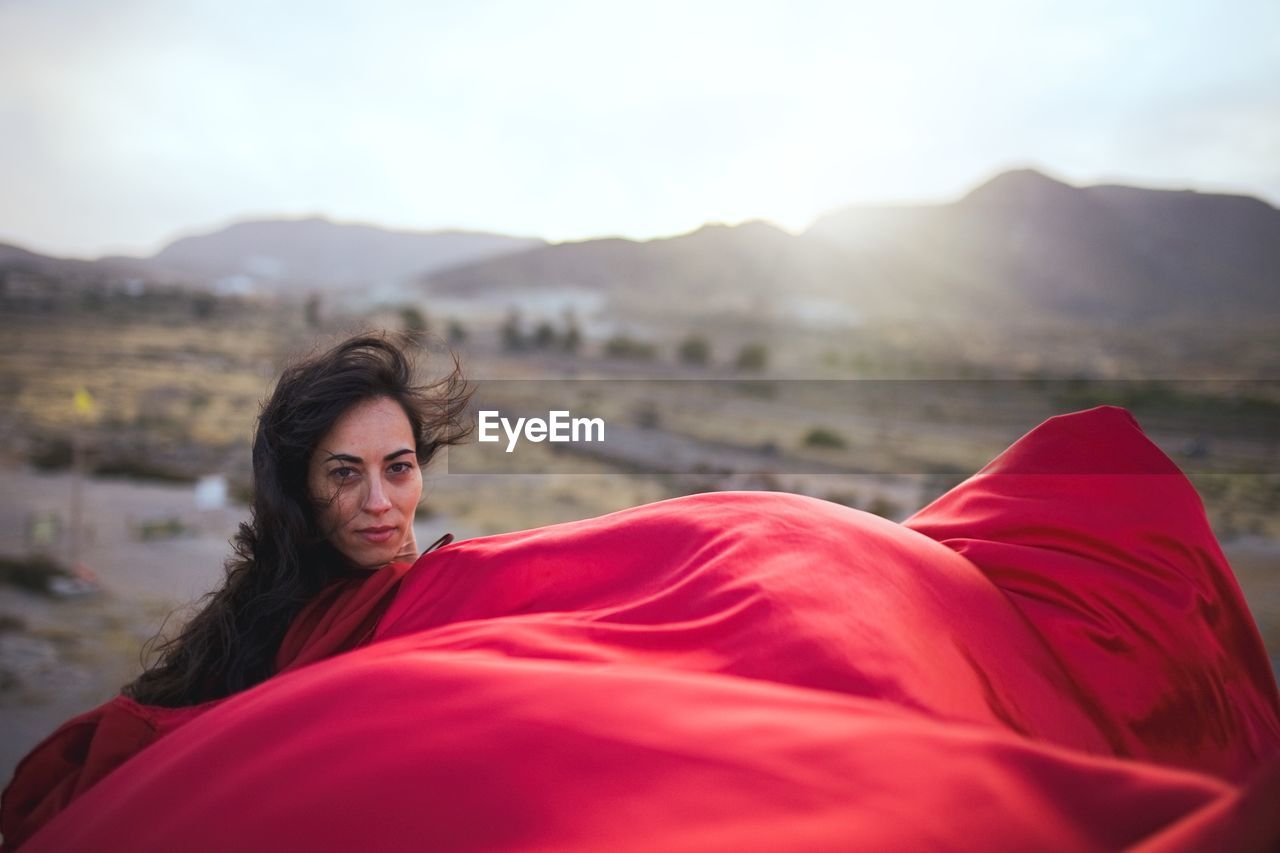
x=842, y=363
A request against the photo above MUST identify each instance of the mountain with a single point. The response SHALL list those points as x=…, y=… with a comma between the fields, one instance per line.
x=315, y=254
x=1022, y=246
x=21, y=269
x=1026, y=242
x=745, y=269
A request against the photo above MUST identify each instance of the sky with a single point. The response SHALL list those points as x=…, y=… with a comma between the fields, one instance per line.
x=126, y=124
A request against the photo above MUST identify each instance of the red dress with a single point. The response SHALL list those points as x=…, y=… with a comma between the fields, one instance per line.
x=1054, y=655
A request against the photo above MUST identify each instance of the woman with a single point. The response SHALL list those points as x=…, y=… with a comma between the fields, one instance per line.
x=337, y=459
x=337, y=463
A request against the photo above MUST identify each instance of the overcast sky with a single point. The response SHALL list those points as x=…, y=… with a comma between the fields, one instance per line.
x=124, y=124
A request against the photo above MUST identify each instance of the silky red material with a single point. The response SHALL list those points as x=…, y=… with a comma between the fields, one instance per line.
x=88, y=747
x=1052, y=656
x=342, y=617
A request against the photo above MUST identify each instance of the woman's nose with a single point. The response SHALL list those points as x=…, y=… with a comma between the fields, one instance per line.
x=377, y=499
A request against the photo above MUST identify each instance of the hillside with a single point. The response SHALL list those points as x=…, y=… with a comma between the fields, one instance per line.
x=1022, y=249
x=1022, y=246
x=282, y=256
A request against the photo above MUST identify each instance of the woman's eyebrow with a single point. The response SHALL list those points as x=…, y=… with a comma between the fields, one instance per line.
x=347, y=457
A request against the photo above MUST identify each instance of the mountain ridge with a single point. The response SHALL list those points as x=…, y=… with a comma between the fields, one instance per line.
x=1021, y=243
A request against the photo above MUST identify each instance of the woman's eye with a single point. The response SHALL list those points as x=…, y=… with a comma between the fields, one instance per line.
x=342, y=474
x=401, y=467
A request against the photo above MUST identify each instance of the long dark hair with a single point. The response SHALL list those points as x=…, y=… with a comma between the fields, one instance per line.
x=281, y=558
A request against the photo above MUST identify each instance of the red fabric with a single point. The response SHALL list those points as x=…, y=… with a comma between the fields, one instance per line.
x=80, y=753
x=86, y=748
x=340, y=618
x=1102, y=544
x=1052, y=656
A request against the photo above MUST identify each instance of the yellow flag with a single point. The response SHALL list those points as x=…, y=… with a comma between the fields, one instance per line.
x=86, y=406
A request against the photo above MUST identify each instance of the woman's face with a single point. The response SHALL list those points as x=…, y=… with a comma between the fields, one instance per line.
x=365, y=479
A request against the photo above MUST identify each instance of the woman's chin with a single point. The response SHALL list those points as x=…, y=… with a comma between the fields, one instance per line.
x=373, y=557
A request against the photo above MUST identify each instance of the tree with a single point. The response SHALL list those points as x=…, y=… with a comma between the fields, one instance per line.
x=544, y=335
x=625, y=346
x=695, y=350
x=823, y=437
x=572, y=339
x=203, y=305
x=414, y=322
x=513, y=331
x=752, y=357
x=311, y=311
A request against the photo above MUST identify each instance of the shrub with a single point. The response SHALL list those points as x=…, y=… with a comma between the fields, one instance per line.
x=33, y=572
x=544, y=335
x=695, y=350
x=752, y=357
x=513, y=332
x=414, y=323
x=823, y=437
x=51, y=453
x=885, y=508
x=625, y=346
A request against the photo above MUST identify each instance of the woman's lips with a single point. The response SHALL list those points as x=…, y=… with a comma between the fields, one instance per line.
x=376, y=534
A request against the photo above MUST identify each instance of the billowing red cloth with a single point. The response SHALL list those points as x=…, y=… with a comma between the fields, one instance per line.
x=1054, y=655
x=86, y=748
x=1099, y=541
x=342, y=617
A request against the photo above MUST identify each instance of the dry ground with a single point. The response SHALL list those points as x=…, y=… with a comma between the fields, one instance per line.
x=182, y=388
